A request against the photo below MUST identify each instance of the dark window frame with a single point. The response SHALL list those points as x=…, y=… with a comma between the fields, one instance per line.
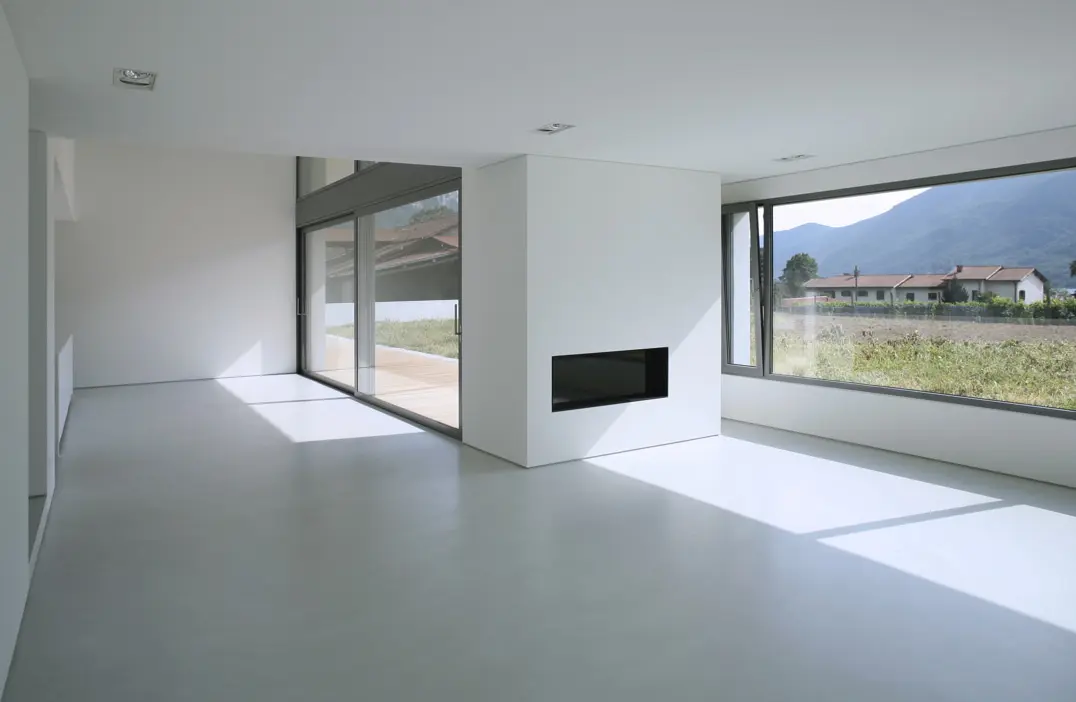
x=299, y=195
x=765, y=298
x=727, y=366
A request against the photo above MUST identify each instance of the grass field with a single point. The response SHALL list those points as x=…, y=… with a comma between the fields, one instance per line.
x=1013, y=363
x=434, y=336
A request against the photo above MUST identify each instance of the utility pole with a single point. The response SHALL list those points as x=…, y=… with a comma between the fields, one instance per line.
x=855, y=295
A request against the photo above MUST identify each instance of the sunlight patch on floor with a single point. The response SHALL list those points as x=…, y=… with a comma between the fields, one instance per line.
x=328, y=420
x=791, y=491
x=1022, y=558
x=304, y=410
x=277, y=388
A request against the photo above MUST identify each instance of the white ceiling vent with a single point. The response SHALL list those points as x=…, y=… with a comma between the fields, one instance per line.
x=130, y=78
x=794, y=157
x=554, y=128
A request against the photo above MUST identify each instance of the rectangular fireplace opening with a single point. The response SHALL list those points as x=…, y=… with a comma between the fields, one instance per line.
x=596, y=379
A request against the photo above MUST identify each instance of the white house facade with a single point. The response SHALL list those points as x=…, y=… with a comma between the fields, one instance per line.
x=1019, y=284
x=1012, y=283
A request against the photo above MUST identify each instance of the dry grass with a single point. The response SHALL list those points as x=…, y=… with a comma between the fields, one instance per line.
x=1037, y=372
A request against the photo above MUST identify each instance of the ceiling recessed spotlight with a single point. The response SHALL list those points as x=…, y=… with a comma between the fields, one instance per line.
x=554, y=128
x=793, y=157
x=130, y=78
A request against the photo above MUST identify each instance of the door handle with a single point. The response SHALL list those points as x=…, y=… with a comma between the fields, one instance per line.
x=456, y=328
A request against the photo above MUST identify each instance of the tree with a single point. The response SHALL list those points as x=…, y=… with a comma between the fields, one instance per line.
x=798, y=270
x=954, y=292
x=432, y=213
x=780, y=292
x=1072, y=269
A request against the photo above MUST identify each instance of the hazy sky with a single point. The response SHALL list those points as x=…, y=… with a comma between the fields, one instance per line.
x=839, y=213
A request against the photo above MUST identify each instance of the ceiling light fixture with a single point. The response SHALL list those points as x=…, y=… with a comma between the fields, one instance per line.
x=130, y=78
x=793, y=157
x=554, y=128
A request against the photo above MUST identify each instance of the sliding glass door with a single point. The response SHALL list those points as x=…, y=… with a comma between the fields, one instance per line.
x=328, y=309
x=414, y=315
x=380, y=309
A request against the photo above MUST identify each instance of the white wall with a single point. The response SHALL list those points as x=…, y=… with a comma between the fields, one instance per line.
x=42, y=327
x=181, y=265
x=1006, y=289
x=1034, y=290
x=493, y=374
x=414, y=310
x=1007, y=442
x=14, y=319
x=871, y=294
x=566, y=256
x=1021, y=444
x=921, y=294
x=65, y=207
x=65, y=384
x=622, y=257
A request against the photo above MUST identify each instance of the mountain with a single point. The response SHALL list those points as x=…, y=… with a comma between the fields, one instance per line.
x=1023, y=221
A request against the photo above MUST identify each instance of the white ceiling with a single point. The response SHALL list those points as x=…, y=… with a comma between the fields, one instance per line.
x=702, y=84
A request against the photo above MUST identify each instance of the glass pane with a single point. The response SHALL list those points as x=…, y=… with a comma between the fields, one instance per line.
x=958, y=289
x=316, y=173
x=742, y=291
x=415, y=364
x=330, y=302
x=765, y=286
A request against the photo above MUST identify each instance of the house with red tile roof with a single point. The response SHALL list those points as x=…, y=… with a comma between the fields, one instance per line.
x=1022, y=284
x=1019, y=284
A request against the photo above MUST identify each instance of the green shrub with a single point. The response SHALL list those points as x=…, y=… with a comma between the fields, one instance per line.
x=988, y=306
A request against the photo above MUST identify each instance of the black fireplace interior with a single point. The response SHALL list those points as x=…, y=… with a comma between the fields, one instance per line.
x=596, y=379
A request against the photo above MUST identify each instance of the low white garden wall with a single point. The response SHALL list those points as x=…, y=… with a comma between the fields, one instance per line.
x=339, y=313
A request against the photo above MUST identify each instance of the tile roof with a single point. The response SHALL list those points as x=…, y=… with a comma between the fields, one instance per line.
x=925, y=280
x=974, y=272
x=421, y=230
x=848, y=281
x=1012, y=274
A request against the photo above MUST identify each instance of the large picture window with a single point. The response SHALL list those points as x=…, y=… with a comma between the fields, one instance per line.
x=964, y=290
